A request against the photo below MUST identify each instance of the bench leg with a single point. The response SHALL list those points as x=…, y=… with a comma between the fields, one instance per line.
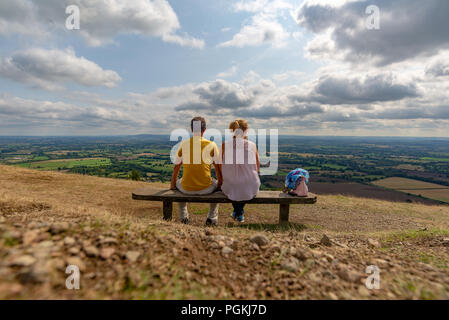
x=167, y=210
x=284, y=211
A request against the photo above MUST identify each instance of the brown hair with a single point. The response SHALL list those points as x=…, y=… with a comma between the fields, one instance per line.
x=203, y=123
x=239, y=124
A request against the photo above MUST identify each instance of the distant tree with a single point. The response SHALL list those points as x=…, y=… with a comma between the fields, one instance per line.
x=135, y=175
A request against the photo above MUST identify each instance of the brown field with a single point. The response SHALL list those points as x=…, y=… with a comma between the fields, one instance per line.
x=416, y=187
x=359, y=190
x=437, y=194
x=126, y=251
x=407, y=184
x=367, y=191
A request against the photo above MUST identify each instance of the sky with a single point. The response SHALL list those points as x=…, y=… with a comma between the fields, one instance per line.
x=312, y=67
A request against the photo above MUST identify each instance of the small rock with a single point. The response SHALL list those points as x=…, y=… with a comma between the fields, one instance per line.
x=349, y=275
x=445, y=242
x=381, y=263
x=207, y=232
x=30, y=236
x=332, y=296
x=226, y=250
x=109, y=241
x=308, y=238
x=37, y=274
x=132, y=256
x=14, y=235
x=23, y=261
x=301, y=254
x=221, y=244
x=259, y=239
x=76, y=261
x=363, y=291
x=69, y=241
x=59, y=227
x=373, y=243
x=291, y=264
x=74, y=251
x=91, y=251
x=106, y=253
x=2, y=219
x=325, y=241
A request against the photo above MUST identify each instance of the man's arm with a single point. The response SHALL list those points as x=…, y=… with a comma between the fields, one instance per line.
x=174, y=176
x=219, y=174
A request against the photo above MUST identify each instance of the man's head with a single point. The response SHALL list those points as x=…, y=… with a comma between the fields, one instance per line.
x=198, y=125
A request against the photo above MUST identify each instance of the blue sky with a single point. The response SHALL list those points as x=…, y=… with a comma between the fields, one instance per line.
x=147, y=66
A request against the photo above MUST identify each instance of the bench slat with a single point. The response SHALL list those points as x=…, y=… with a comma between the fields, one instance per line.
x=264, y=197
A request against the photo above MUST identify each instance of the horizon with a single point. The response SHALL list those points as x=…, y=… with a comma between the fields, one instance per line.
x=164, y=135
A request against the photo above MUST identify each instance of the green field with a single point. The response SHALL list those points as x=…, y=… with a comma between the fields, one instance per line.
x=66, y=164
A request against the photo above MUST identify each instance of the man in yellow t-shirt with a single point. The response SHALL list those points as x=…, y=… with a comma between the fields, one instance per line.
x=196, y=155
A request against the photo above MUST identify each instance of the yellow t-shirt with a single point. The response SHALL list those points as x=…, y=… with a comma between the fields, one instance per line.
x=197, y=155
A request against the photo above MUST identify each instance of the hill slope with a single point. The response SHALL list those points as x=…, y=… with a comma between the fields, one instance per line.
x=125, y=250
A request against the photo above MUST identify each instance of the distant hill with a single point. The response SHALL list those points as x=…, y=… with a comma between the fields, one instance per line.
x=125, y=250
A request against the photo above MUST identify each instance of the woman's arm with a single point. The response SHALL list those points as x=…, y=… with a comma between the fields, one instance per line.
x=257, y=161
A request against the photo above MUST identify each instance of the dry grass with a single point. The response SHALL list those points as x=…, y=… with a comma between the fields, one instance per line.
x=179, y=262
x=79, y=194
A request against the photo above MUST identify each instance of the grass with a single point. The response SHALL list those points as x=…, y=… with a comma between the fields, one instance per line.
x=104, y=205
x=66, y=164
x=434, y=260
x=415, y=235
x=272, y=227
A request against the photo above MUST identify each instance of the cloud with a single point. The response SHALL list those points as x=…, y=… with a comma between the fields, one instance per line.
x=262, y=30
x=438, y=69
x=100, y=21
x=264, y=27
x=48, y=111
x=52, y=69
x=408, y=29
x=220, y=94
x=228, y=73
x=377, y=88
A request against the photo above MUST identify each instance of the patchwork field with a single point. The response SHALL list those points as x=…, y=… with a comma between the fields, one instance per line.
x=416, y=187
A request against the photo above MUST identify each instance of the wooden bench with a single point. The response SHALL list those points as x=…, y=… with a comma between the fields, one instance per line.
x=264, y=197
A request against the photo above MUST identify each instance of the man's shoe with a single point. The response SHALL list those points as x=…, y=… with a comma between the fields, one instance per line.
x=211, y=223
x=185, y=221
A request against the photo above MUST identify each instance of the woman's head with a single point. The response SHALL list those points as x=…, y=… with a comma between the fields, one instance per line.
x=239, y=124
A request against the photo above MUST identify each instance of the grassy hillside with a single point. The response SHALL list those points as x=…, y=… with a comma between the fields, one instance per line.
x=125, y=250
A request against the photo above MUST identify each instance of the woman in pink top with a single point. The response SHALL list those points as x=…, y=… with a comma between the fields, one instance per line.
x=240, y=168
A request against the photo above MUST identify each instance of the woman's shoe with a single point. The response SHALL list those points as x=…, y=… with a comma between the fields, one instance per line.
x=240, y=218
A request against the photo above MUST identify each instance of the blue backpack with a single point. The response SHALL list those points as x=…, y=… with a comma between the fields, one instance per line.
x=295, y=177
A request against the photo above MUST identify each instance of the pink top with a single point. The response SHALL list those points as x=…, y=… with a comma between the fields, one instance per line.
x=240, y=177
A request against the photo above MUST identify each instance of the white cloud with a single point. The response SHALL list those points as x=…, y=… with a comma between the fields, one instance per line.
x=228, y=73
x=53, y=69
x=264, y=27
x=101, y=21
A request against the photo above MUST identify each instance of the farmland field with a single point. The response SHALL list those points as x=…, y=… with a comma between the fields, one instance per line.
x=416, y=187
x=337, y=165
x=66, y=164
